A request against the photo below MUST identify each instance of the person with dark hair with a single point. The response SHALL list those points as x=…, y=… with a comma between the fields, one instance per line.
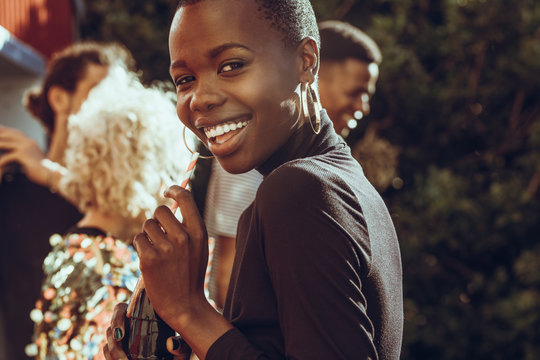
x=350, y=62
x=30, y=207
x=349, y=71
x=317, y=270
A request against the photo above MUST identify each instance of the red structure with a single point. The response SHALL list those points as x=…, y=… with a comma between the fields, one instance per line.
x=45, y=25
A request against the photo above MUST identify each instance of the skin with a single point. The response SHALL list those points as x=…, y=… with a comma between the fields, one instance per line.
x=247, y=82
x=25, y=150
x=65, y=104
x=253, y=80
x=346, y=87
x=224, y=267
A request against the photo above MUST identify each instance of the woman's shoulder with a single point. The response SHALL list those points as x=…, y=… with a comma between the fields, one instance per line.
x=303, y=182
x=312, y=172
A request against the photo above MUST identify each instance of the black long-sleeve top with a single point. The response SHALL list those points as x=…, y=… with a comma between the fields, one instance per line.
x=317, y=272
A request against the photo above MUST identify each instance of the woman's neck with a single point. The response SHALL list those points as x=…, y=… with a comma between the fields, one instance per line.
x=58, y=140
x=303, y=143
x=111, y=224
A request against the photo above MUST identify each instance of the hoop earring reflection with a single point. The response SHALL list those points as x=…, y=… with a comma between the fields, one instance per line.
x=187, y=146
x=316, y=117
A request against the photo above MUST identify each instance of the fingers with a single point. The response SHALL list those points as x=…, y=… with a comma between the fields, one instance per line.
x=113, y=350
x=7, y=158
x=162, y=236
x=115, y=333
x=193, y=225
x=17, y=147
x=118, y=320
x=167, y=220
x=106, y=352
x=9, y=131
x=10, y=137
x=178, y=347
x=190, y=213
x=8, y=144
x=145, y=249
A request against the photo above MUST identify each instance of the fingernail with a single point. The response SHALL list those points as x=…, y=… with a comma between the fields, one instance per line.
x=175, y=344
x=117, y=334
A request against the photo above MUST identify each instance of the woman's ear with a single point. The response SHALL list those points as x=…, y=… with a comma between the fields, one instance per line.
x=59, y=99
x=308, y=55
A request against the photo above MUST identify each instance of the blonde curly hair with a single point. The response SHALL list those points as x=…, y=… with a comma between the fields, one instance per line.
x=124, y=146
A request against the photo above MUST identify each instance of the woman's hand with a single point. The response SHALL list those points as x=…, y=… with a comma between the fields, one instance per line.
x=173, y=258
x=115, y=333
x=22, y=149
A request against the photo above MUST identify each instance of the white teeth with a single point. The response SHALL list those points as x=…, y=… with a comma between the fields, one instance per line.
x=223, y=128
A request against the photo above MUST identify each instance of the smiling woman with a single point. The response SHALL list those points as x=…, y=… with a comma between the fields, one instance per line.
x=317, y=269
x=251, y=80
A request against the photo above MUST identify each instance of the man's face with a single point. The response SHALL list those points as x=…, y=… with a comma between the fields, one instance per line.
x=345, y=88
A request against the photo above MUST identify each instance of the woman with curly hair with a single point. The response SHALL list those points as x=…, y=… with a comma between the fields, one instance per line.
x=122, y=151
x=28, y=176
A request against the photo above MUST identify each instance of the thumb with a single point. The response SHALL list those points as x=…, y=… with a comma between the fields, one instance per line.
x=118, y=321
x=178, y=347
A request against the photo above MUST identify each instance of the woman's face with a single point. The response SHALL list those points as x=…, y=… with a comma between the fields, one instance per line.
x=235, y=81
x=93, y=75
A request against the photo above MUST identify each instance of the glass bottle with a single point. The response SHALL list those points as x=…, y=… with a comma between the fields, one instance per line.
x=146, y=334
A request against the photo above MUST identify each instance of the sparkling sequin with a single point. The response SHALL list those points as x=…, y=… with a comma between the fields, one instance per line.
x=36, y=315
x=85, y=277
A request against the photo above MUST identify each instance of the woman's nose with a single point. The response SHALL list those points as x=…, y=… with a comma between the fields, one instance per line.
x=206, y=97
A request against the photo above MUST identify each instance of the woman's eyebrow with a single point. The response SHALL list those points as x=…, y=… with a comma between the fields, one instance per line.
x=177, y=64
x=213, y=53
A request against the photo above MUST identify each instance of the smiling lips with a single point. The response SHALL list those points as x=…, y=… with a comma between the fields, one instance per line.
x=222, y=132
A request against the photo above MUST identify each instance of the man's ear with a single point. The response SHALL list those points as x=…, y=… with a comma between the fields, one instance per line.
x=308, y=55
x=59, y=99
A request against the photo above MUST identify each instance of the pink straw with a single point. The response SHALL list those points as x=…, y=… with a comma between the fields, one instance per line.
x=189, y=170
x=185, y=180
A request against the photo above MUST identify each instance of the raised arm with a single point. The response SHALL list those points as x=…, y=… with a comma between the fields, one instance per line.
x=173, y=258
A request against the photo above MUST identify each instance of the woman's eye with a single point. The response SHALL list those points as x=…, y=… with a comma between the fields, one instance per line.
x=231, y=66
x=184, y=80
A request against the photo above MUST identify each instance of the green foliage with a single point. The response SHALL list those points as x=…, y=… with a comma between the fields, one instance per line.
x=143, y=26
x=459, y=94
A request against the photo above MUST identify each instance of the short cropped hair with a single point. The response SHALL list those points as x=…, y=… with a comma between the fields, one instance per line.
x=124, y=147
x=294, y=19
x=340, y=40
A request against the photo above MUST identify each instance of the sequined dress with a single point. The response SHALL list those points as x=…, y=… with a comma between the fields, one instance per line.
x=86, y=274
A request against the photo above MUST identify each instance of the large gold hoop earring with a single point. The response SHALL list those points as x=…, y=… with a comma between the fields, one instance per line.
x=316, y=116
x=187, y=146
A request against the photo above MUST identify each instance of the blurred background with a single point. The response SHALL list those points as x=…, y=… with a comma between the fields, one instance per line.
x=456, y=155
